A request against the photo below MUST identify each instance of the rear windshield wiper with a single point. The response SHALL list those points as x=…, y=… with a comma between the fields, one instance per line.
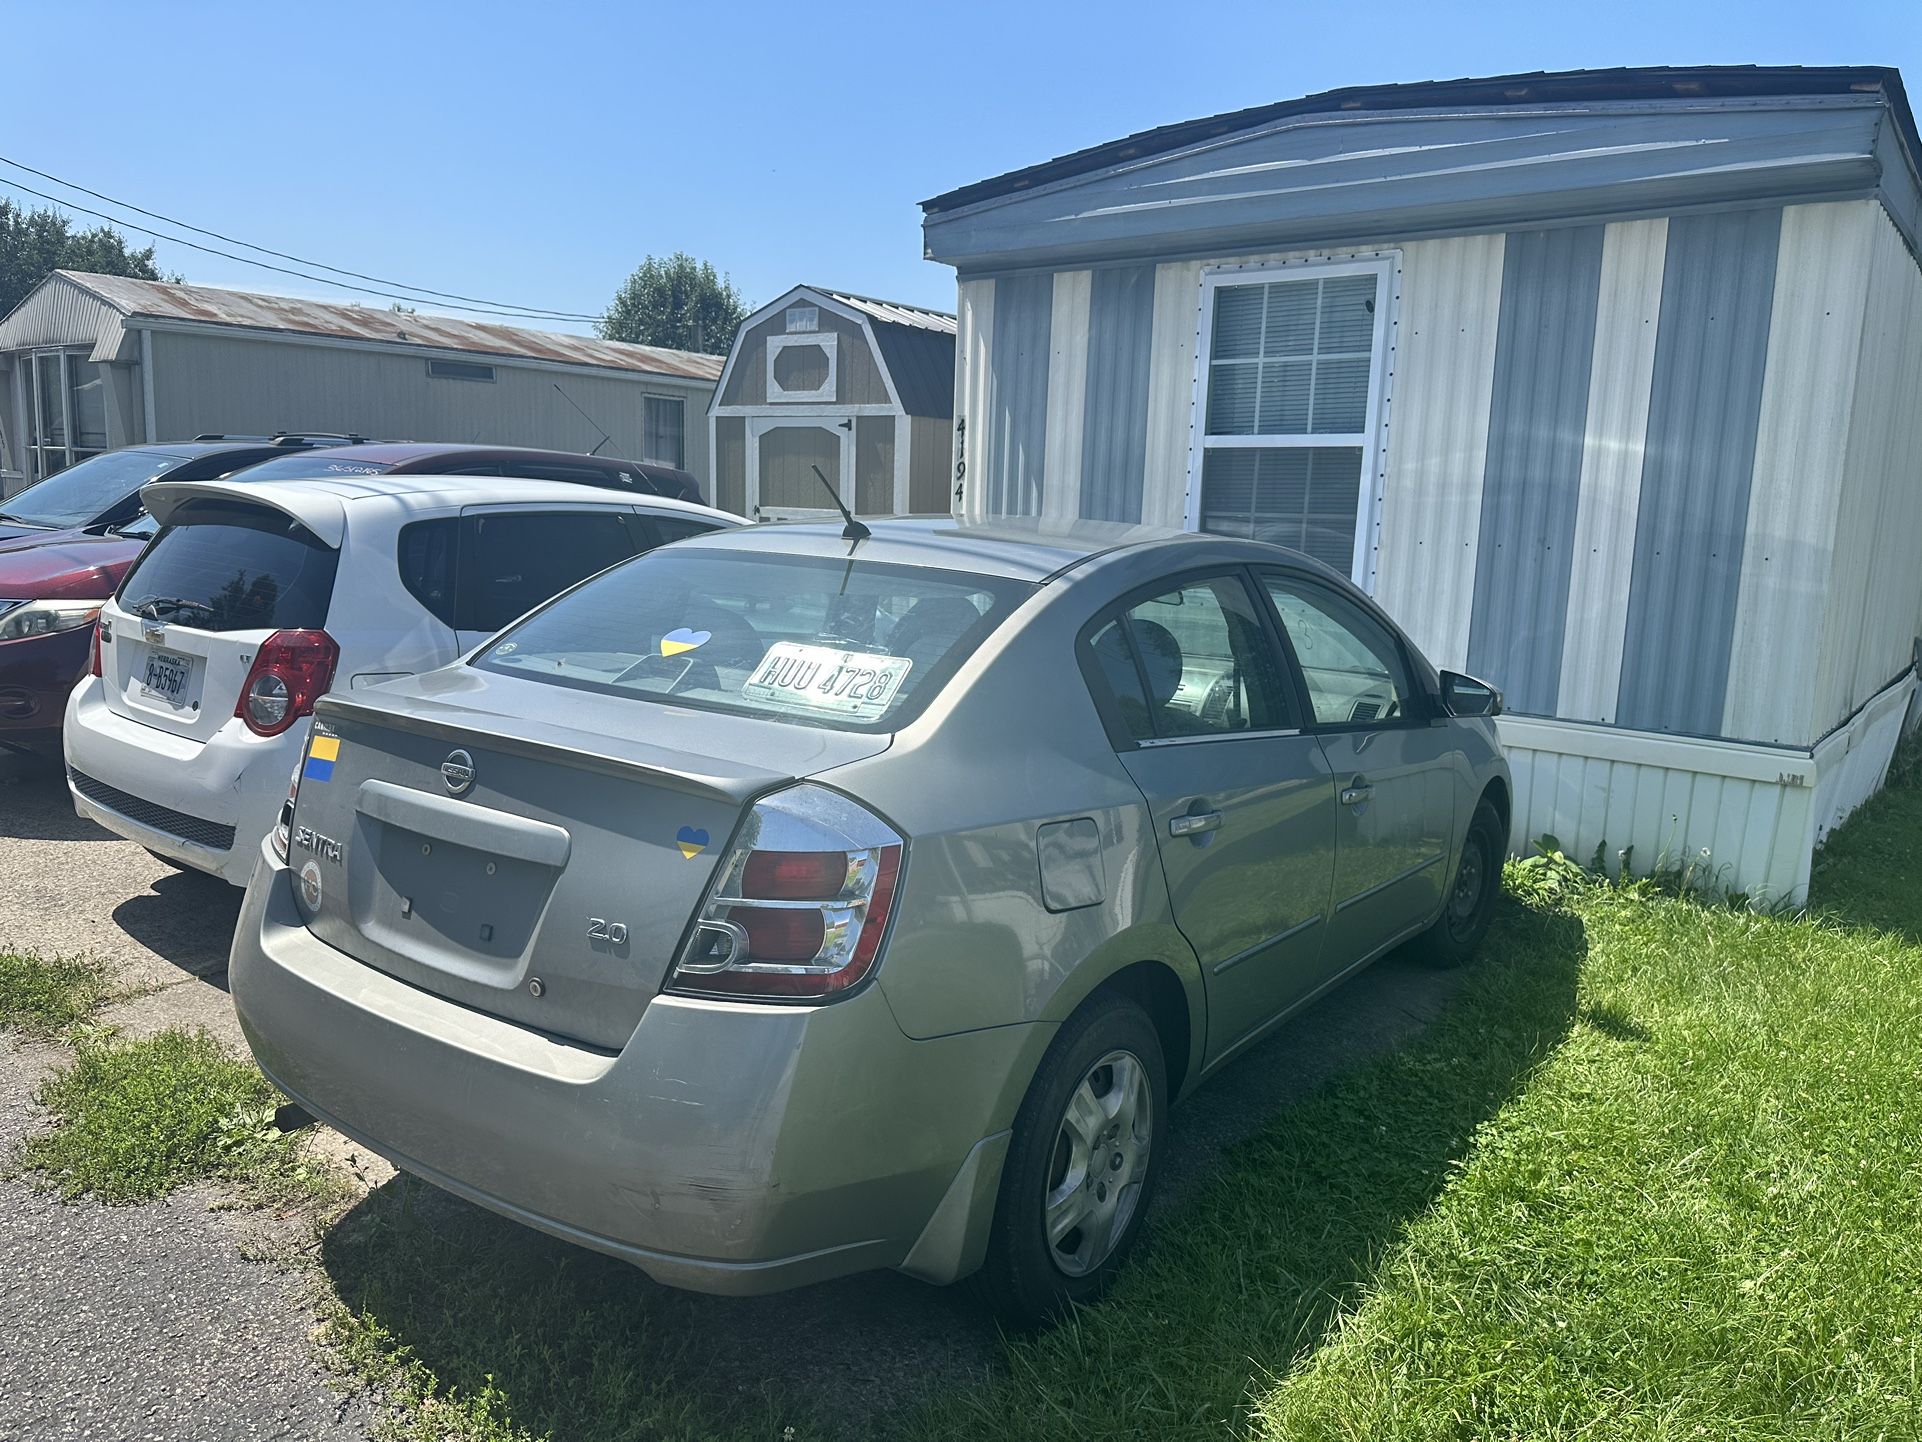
x=172, y=605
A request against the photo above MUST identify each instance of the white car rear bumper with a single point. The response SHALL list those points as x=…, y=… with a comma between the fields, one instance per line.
x=203, y=804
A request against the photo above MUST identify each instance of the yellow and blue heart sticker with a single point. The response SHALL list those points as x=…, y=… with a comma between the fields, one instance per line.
x=675, y=642
x=322, y=753
x=692, y=840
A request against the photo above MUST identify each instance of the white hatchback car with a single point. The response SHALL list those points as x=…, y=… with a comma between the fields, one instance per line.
x=255, y=599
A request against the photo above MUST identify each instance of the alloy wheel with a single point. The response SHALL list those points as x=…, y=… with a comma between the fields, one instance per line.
x=1099, y=1162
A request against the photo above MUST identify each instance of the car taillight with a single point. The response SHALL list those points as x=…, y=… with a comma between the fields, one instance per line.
x=94, y=668
x=292, y=670
x=283, y=832
x=798, y=909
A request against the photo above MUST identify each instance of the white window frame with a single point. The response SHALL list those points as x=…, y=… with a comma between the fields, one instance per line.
x=1371, y=439
x=681, y=400
x=823, y=340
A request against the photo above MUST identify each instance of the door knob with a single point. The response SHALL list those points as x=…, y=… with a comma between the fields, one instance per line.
x=1194, y=823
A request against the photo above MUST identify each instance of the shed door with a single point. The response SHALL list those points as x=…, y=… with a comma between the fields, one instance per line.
x=782, y=455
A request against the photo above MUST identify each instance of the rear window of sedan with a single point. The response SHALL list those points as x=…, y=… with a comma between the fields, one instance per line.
x=840, y=643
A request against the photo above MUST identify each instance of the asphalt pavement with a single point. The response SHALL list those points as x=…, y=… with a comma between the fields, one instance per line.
x=148, y=1321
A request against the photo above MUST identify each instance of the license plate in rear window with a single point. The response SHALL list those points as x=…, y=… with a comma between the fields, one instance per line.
x=826, y=681
x=167, y=676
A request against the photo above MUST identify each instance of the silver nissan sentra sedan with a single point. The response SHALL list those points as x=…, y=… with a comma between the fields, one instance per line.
x=785, y=902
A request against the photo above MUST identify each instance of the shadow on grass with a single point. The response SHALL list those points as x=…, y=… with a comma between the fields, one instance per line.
x=1247, y=1260
x=1867, y=871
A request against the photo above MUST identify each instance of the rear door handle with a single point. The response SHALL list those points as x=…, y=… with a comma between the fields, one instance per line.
x=1356, y=794
x=1194, y=824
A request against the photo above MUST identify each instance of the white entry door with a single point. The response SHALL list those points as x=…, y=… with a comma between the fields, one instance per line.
x=783, y=453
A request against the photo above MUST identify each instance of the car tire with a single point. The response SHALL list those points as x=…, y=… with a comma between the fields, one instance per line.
x=1085, y=1152
x=1470, y=902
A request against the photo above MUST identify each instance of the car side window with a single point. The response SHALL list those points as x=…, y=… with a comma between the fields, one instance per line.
x=674, y=528
x=426, y=556
x=1193, y=661
x=1351, y=664
x=511, y=561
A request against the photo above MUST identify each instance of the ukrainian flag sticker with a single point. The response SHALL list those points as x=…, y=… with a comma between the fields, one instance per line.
x=322, y=753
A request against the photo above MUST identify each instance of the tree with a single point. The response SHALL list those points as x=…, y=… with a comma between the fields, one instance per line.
x=35, y=243
x=678, y=302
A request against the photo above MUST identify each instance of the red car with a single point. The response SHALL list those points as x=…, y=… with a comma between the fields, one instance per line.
x=65, y=543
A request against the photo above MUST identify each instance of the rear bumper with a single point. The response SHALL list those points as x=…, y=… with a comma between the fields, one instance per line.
x=37, y=675
x=175, y=792
x=726, y=1148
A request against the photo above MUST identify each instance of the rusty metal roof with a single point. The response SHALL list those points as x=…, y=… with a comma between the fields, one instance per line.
x=248, y=310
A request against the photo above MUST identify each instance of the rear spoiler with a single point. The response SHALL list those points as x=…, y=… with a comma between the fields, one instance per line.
x=319, y=512
x=610, y=755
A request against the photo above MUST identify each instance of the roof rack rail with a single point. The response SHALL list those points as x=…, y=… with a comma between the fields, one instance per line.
x=291, y=438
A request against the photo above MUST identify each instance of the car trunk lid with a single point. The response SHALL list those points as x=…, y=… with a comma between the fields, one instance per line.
x=450, y=834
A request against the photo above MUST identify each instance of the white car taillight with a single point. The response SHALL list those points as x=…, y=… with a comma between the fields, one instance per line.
x=798, y=909
x=291, y=671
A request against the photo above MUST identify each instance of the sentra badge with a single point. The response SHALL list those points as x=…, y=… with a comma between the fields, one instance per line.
x=325, y=847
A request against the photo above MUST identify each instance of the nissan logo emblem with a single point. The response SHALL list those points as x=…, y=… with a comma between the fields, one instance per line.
x=457, y=771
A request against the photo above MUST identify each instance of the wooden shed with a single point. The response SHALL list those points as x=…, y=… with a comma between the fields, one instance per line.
x=861, y=389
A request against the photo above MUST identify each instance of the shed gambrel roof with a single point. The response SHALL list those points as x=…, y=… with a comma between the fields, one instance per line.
x=916, y=344
x=107, y=300
x=1385, y=162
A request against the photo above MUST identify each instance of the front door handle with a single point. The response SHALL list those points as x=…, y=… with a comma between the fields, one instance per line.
x=1356, y=794
x=1194, y=824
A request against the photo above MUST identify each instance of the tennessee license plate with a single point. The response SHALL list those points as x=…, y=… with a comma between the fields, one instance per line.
x=167, y=676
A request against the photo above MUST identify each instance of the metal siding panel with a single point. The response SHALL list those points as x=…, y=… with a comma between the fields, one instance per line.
x=1718, y=285
x=58, y=312
x=213, y=382
x=1531, y=480
x=1815, y=340
x=974, y=383
x=1067, y=394
x=1121, y=311
x=1171, y=389
x=1018, y=397
x=1611, y=485
x=1889, y=465
x=1444, y=370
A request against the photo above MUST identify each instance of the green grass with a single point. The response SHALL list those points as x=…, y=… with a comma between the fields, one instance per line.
x=49, y=998
x=136, y=1119
x=1658, y=1174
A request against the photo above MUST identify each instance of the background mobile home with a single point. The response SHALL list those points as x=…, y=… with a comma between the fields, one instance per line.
x=92, y=362
x=1607, y=384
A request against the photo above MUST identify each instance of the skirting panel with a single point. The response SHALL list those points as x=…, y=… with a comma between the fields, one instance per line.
x=1750, y=815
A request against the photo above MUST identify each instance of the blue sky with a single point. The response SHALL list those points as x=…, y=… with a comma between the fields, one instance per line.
x=535, y=153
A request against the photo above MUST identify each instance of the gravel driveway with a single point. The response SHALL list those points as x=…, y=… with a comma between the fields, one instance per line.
x=135, y=1322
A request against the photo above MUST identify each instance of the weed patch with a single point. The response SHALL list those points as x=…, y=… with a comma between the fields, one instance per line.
x=48, y=998
x=136, y=1119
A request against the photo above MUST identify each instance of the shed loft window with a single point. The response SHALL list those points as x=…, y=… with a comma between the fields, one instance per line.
x=803, y=318
x=802, y=367
x=446, y=370
x=1290, y=397
x=664, y=431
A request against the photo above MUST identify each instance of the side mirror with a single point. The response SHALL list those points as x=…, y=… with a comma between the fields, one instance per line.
x=1465, y=696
